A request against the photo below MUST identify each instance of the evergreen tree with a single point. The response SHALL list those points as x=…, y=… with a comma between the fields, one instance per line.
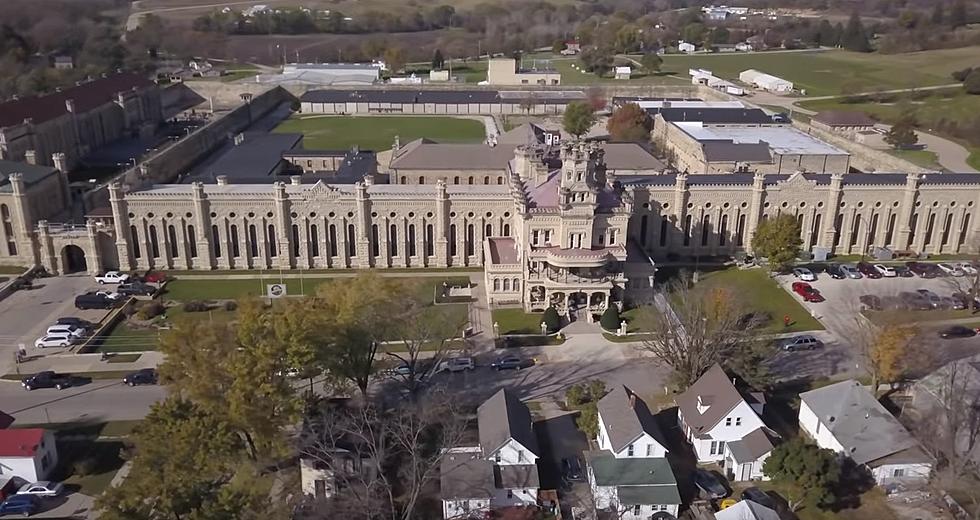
x=551, y=319
x=827, y=36
x=937, y=14
x=957, y=14
x=437, y=60
x=972, y=82
x=610, y=319
x=854, y=37
x=902, y=134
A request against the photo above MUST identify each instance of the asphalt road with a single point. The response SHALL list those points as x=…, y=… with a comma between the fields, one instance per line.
x=99, y=400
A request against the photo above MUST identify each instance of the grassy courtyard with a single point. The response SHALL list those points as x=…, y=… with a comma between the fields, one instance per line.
x=516, y=321
x=759, y=293
x=378, y=132
x=824, y=73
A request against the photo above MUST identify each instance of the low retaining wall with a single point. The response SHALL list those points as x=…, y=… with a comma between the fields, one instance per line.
x=110, y=321
x=863, y=158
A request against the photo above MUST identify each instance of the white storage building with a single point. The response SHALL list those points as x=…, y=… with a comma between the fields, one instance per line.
x=765, y=81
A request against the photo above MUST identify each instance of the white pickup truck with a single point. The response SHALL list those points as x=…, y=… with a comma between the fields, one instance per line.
x=112, y=277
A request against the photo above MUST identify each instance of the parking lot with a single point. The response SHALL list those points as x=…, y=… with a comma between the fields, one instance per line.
x=26, y=314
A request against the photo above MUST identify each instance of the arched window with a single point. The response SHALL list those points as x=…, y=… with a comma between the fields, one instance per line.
x=723, y=230
x=404, y=180
x=517, y=284
x=235, y=251
x=496, y=284
x=488, y=230
x=889, y=230
x=930, y=227
x=8, y=229
x=172, y=241
x=471, y=179
x=375, y=246
x=663, y=231
x=393, y=240
x=470, y=240
x=452, y=240
x=873, y=231
x=913, y=224
x=154, y=243
x=705, y=229
x=456, y=180
x=486, y=180
x=295, y=244
x=506, y=284
x=134, y=239
x=271, y=240
x=253, y=241
x=314, y=241
x=216, y=240
x=506, y=231
x=740, y=231
x=411, y=240
x=421, y=179
x=192, y=241
x=351, y=240
x=500, y=180
x=429, y=247
x=947, y=227
x=333, y=239
x=963, y=229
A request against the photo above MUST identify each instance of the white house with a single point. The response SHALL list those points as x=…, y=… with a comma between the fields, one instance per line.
x=623, y=72
x=765, y=81
x=28, y=453
x=845, y=417
x=502, y=471
x=744, y=458
x=686, y=47
x=747, y=510
x=712, y=413
x=629, y=474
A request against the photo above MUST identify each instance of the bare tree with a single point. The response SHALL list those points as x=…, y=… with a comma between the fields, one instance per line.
x=396, y=451
x=698, y=328
x=423, y=328
x=949, y=415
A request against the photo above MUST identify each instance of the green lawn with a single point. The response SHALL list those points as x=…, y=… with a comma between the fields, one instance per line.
x=923, y=158
x=761, y=294
x=924, y=317
x=928, y=107
x=516, y=321
x=186, y=289
x=378, y=132
x=573, y=76
x=126, y=338
x=824, y=73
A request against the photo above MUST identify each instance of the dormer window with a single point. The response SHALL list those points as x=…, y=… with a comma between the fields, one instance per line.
x=704, y=402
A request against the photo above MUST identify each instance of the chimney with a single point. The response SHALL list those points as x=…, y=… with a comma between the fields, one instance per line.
x=60, y=161
x=222, y=180
x=632, y=400
x=239, y=139
x=30, y=157
x=294, y=180
x=368, y=180
x=70, y=105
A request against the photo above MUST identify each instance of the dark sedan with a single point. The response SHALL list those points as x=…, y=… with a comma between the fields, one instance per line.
x=836, y=272
x=957, y=331
x=146, y=376
x=506, y=362
x=709, y=484
x=868, y=270
x=136, y=289
x=903, y=272
x=759, y=497
x=922, y=270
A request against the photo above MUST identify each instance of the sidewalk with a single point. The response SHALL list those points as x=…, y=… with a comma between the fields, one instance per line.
x=86, y=363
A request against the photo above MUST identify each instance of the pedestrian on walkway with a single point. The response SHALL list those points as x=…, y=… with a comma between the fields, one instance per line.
x=786, y=321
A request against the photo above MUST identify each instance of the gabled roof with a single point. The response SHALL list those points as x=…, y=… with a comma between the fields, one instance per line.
x=626, y=418
x=528, y=133
x=747, y=510
x=424, y=154
x=751, y=447
x=610, y=471
x=713, y=389
x=20, y=442
x=86, y=96
x=465, y=475
x=504, y=417
x=516, y=476
x=865, y=429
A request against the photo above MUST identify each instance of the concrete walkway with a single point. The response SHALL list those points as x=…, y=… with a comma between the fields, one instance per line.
x=86, y=363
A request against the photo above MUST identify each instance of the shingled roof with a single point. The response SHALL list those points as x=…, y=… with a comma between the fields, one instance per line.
x=714, y=392
x=626, y=417
x=504, y=417
x=86, y=96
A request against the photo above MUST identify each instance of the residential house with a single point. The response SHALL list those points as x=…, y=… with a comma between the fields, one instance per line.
x=747, y=510
x=629, y=473
x=846, y=418
x=502, y=471
x=321, y=476
x=28, y=453
x=64, y=62
x=712, y=413
x=744, y=458
x=952, y=392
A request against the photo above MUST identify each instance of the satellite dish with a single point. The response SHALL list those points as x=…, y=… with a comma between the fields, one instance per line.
x=662, y=515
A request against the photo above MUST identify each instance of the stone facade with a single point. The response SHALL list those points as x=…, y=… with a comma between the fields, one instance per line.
x=505, y=71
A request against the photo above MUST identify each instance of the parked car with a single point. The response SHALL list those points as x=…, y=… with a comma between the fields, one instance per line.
x=893, y=303
x=903, y=272
x=55, y=340
x=804, y=274
x=44, y=488
x=709, y=484
x=967, y=301
x=807, y=292
x=921, y=269
x=885, y=271
x=47, y=379
x=948, y=302
x=851, y=272
x=75, y=322
x=950, y=269
x=459, y=364
x=507, y=361
x=24, y=505
x=915, y=301
x=154, y=277
x=146, y=376
x=111, y=295
x=931, y=297
x=69, y=330
x=957, y=331
x=93, y=301
x=759, y=497
x=871, y=302
x=966, y=267
x=136, y=289
x=804, y=342
x=868, y=270
x=836, y=272
x=571, y=468
x=112, y=277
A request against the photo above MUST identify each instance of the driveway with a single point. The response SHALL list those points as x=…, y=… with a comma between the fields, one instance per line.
x=559, y=437
x=72, y=505
x=26, y=314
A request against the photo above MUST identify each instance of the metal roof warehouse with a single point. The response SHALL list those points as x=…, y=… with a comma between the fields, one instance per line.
x=437, y=101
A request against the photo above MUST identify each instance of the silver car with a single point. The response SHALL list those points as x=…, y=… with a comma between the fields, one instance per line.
x=851, y=271
x=804, y=342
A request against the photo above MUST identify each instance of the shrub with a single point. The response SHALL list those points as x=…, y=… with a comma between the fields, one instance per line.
x=960, y=75
x=588, y=420
x=150, y=310
x=610, y=319
x=551, y=319
x=231, y=305
x=84, y=467
x=575, y=395
x=195, y=306
x=972, y=82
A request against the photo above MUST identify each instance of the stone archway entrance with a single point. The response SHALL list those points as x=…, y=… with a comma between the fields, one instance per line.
x=73, y=259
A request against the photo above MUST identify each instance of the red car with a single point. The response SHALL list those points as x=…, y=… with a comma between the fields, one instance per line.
x=807, y=292
x=154, y=277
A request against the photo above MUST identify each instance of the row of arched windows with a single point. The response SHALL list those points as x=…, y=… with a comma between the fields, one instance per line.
x=506, y=284
x=456, y=180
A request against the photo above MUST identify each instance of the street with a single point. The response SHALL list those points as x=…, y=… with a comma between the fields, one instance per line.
x=99, y=400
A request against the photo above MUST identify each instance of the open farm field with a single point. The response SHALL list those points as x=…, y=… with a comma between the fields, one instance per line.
x=825, y=73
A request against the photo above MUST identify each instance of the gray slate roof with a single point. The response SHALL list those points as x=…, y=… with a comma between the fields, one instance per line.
x=625, y=423
x=31, y=173
x=630, y=156
x=644, y=495
x=516, y=476
x=466, y=475
x=749, y=448
x=638, y=481
x=424, y=154
x=865, y=429
x=714, y=388
x=747, y=510
x=504, y=417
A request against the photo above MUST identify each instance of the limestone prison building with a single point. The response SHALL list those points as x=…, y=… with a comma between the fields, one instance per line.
x=550, y=225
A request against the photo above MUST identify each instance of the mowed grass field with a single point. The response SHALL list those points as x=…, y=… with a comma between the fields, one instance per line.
x=378, y=132
x=827, y=73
